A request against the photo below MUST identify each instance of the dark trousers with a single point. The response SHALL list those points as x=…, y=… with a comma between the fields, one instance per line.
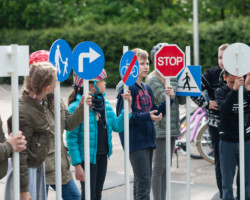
x=229, y=157
x=141, y=162
x=97, y=177
x=214, y=133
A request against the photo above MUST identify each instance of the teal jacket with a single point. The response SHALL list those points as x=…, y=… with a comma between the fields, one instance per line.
x=75, y=138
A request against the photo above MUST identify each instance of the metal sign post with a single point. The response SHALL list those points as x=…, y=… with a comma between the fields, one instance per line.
x=58, y=142
x=188, y=102
x=86, y=142
x=168, y=143
x=14, y=63
x=126, y=138
x=60, y=57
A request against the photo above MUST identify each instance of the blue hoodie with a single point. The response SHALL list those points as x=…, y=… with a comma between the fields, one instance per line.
x=141, y=127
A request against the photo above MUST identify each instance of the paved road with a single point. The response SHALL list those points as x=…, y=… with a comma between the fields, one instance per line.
x=203, y=184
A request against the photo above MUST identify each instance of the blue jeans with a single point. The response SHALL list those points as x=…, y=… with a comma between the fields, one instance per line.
x=69, y=191
x=229, y=158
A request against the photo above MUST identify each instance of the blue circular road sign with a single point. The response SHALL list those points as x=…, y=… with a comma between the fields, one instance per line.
x=88, y=60
x=129, y=68
x=61, y=57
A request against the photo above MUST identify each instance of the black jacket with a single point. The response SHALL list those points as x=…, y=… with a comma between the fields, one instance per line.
x=210, y=81
x=227, y=101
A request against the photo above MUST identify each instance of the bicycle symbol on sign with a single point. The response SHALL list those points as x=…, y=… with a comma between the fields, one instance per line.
x=134, y=71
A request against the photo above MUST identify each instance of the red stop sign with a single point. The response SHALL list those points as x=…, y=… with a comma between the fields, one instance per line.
x=169, y=60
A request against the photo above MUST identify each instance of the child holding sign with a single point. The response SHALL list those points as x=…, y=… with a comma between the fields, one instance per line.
x=227, y=100
x=33, y=122
x=102, y=121
x=141, y=127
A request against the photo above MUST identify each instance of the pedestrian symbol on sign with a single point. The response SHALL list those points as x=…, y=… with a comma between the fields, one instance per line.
x=187, y=78
x=61, y=57
x=189, y=81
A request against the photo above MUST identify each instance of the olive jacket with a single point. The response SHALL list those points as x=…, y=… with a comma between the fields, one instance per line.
x=34, y=123
x=159, y=95
x=68, y=122
x=5, y=152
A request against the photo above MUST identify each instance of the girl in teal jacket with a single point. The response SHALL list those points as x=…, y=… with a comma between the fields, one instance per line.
x=102, y=121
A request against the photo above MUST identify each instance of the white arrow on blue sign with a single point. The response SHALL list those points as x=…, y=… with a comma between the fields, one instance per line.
x=61, y=57
x=189, y=81
x=129, y=68
x=88, y=60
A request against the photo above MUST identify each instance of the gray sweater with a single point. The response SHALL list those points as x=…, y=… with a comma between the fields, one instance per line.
x=159, y=95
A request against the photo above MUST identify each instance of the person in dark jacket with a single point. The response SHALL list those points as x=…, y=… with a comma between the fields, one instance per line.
x=141, y=127
x=227, y=100
x=210, y=82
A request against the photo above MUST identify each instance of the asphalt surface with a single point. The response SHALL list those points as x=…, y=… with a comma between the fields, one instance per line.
x=203, y=183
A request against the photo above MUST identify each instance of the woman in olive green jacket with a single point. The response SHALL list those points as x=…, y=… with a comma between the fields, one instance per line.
x=157, y=83
x=68, y=122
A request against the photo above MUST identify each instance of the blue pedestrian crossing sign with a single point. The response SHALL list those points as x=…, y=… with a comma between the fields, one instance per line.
x=60, y=56
x=189, y=81
x=129, y=68
x=88, y=60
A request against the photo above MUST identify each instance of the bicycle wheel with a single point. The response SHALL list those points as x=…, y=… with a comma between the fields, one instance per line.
x=194, y=153
x=204, y=144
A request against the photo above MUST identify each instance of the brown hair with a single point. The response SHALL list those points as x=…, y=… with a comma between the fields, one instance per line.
x=223, y=47
x=41, y=75
x=76, y=90
x=140, y=53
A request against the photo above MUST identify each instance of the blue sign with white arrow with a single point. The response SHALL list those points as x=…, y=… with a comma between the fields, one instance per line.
x=88, y=60
x=129, y=68
x=189, y=81
x=61, y=57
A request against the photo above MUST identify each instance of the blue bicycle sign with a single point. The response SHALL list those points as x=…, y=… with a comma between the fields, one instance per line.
x=129, y=68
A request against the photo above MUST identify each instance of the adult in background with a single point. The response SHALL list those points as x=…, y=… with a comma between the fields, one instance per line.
x=210, y=81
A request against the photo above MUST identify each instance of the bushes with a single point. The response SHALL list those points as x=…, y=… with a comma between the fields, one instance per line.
x=111, y=39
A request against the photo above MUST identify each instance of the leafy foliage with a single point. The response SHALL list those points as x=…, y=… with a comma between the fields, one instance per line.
x=37, y=14
x=111, y=39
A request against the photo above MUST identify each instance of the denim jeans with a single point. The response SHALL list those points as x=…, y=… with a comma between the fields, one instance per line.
x=229, y=158
x=141, y=162
x=69, y=191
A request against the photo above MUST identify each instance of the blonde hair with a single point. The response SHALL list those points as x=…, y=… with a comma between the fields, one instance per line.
x=41, y=75
x=223, y=47
x=140, y=53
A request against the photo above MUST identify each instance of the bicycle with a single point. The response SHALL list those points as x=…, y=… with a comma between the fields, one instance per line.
x=200, y=140
x=134, y=72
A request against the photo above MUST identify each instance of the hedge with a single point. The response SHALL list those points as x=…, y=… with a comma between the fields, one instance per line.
x=111, y=39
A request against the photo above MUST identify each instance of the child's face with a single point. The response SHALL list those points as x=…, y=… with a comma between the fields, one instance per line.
x=230, y=79
x=220, y=56
x=101, y=86
x=143, y=67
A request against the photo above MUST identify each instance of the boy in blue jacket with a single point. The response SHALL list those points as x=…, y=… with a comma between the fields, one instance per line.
x=102, y=121
x=227, y=100
x=141, y=127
